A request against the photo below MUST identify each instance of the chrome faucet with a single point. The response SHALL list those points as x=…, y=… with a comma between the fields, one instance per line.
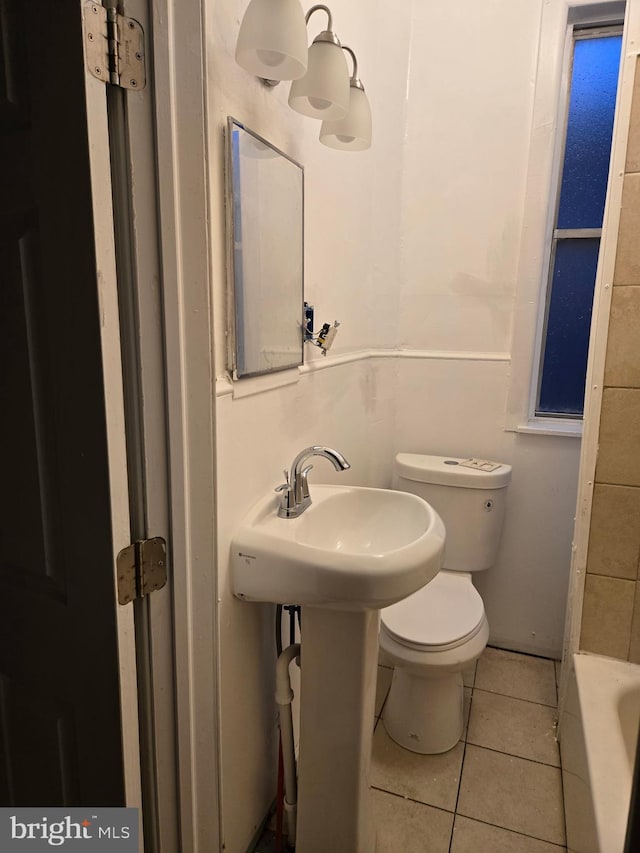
x=295, y=490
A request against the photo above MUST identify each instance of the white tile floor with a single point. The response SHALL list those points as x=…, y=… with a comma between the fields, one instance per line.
x=499, y=790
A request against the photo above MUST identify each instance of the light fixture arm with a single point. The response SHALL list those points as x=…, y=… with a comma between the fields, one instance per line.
x=327, y=35
x=354, y=80
x=317, y=7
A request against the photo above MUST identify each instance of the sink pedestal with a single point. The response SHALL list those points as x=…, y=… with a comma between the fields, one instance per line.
x=353, y=551
x=337, y=705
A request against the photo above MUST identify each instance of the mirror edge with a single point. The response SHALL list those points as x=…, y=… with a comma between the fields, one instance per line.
x=231, y=314
x=230, y=323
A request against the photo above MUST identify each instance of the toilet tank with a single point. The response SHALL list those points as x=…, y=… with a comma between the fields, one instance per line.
x=470, y=497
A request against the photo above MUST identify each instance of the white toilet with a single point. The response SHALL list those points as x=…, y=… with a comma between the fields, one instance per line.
x=439, y=631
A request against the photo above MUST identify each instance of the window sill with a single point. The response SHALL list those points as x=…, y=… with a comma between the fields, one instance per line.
x=551, y=426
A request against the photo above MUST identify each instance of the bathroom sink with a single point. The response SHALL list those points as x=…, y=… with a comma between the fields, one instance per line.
x=354, y=548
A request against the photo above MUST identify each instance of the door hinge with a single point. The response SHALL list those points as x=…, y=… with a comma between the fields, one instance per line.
x=114, y=47
x=142, y=568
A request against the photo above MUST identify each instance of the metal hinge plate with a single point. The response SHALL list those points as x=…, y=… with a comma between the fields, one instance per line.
x=114, y=47
x=142, y=568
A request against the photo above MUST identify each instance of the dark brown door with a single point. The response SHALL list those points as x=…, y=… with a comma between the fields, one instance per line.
x=60, y=730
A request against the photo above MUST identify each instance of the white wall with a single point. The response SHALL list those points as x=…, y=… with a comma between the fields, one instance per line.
x=468, y=130
x=466, y=149
x=412, y=245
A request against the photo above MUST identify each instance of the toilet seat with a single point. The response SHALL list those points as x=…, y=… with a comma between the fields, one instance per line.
x=444, y=614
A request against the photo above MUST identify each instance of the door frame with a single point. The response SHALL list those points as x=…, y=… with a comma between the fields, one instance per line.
x=107, y=284
x=133, y=177
x=168, y=349
x=176, y=60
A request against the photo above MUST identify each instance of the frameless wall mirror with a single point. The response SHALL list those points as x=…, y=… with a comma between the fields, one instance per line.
x=265, y=193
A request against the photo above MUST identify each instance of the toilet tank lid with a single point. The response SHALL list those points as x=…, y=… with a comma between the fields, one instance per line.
x=469, y=473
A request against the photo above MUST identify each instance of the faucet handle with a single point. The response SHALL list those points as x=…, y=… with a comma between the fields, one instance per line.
x=283, y=487
x=287, y=500
x=286, y=486
x=304, y=482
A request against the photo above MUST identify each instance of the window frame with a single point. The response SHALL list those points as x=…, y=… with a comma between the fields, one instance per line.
x=575, y=32
x=541, y=197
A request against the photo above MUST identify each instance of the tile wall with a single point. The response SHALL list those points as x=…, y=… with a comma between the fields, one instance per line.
x=611, y=611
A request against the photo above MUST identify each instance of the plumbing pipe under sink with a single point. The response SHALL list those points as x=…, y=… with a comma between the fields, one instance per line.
x=284, y=697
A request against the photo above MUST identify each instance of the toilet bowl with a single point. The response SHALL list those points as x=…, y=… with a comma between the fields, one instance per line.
x=432, y=636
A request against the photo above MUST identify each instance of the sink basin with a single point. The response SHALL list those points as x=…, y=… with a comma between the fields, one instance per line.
x=354, y=548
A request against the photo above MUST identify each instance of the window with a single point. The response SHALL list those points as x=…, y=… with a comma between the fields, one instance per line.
x=578, y=222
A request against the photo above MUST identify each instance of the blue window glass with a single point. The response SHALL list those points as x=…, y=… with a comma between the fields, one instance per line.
x=564, y=365
x=583, y=189
x=589, y=128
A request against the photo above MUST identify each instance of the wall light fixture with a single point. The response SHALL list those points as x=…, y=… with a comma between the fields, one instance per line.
x=353, y=132
x=272, y=44
x=323, y=92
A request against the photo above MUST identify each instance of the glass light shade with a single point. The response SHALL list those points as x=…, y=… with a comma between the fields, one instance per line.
x=352, y=133
x=272, y=42
x=323, y=92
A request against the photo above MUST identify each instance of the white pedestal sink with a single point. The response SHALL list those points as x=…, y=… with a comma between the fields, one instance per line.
x=351, y=553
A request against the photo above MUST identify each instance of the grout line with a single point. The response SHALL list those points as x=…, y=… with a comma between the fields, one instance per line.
x=464, y=754
x=473, y=680
x=633, y=615
x=456, y=813
x=514, y=755
x=521, y=654
x=514, y=831
x=411, y=799
x=564, y=814
x=453, y=826
x=511, y=755
x=519, y=698
x=384, y=701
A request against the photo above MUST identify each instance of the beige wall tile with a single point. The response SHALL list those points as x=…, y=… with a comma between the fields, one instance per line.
x=633, y=148
x=607, y=615
x=622, y=367
x=614, y=540
x=627, y=270
x=619, y=449
x=634, y=646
